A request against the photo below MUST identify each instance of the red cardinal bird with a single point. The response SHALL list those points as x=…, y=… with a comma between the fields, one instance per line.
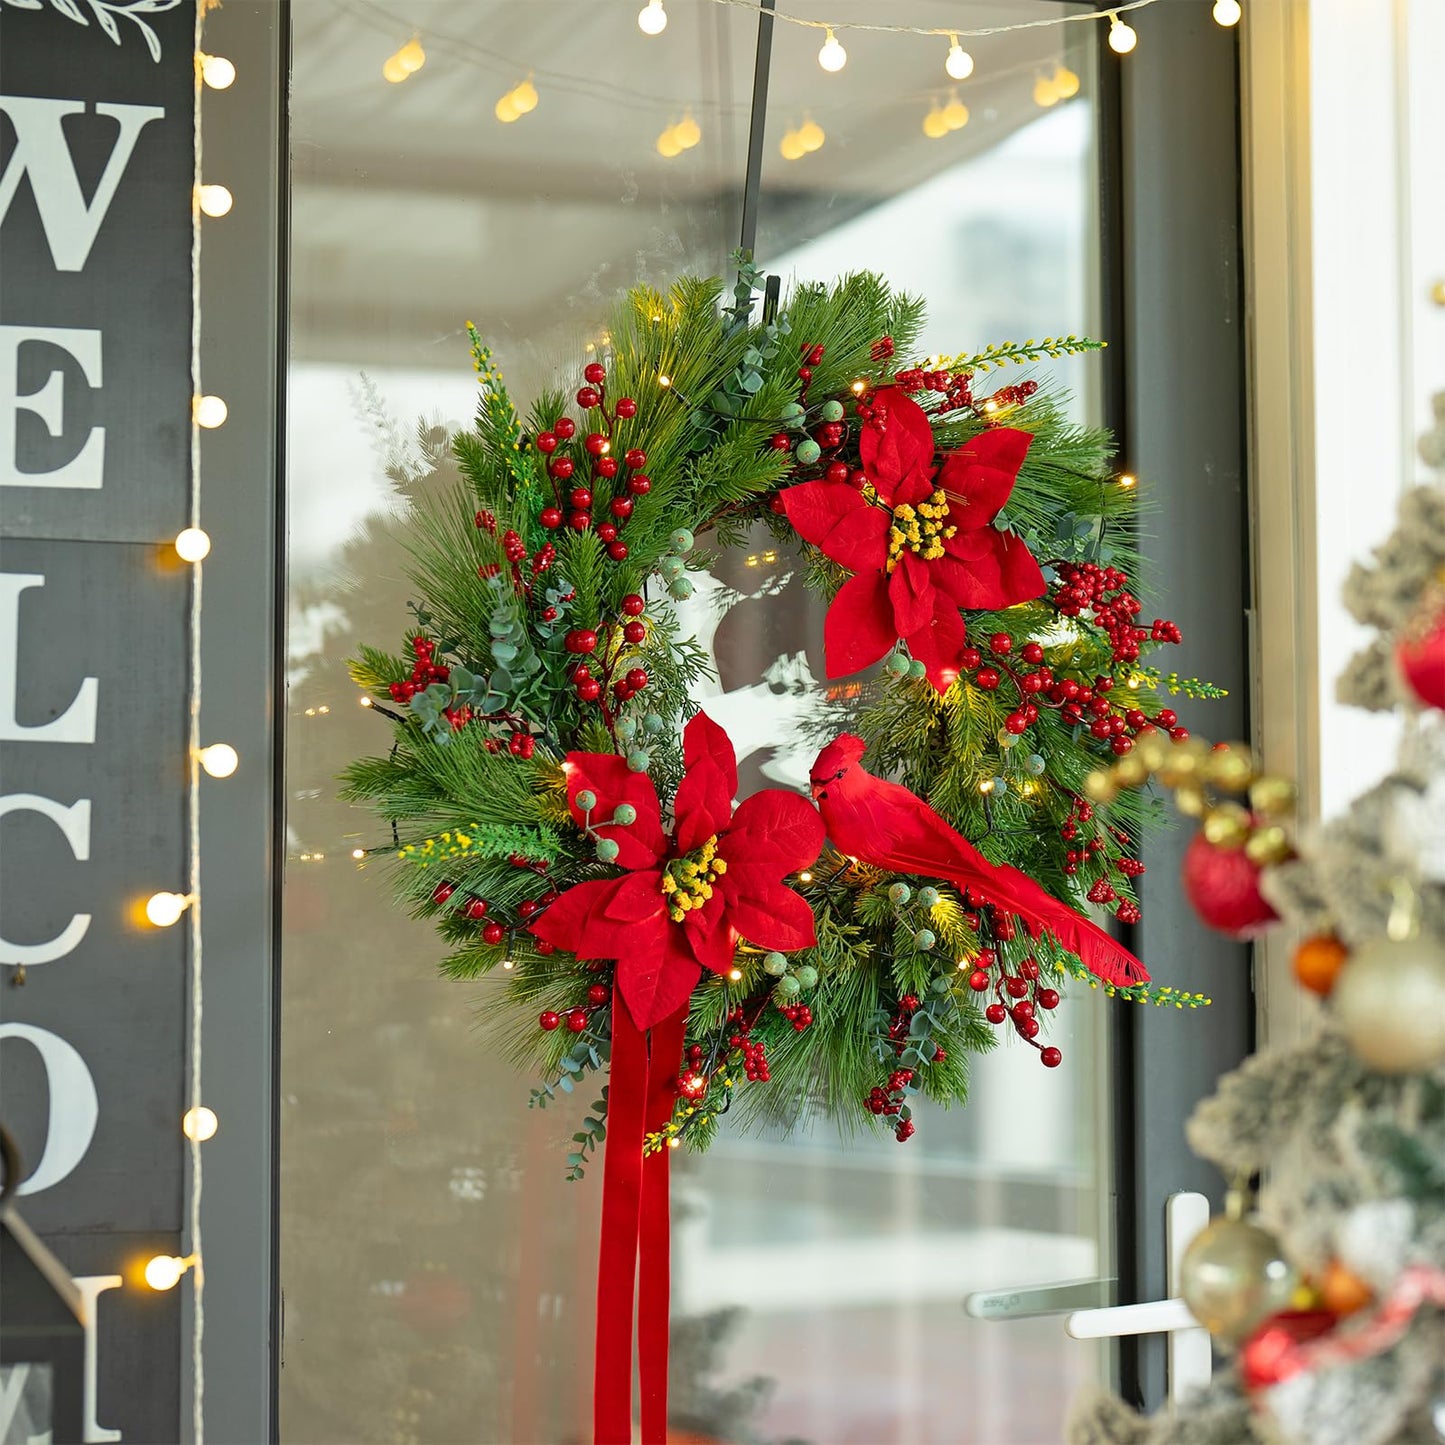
x=884, y=825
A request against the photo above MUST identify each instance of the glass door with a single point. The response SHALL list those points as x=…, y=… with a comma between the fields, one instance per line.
x=437, y=1272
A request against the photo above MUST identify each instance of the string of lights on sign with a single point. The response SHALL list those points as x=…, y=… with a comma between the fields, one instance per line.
x=941, y=119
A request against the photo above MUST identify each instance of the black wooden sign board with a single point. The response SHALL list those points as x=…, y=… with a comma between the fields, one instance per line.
x=97, y=105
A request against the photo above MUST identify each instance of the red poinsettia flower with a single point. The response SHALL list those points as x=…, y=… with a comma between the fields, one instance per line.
x=683, y=902
x=922, y=546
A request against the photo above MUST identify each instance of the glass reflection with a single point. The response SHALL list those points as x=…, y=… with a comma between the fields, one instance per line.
x=437, y=1270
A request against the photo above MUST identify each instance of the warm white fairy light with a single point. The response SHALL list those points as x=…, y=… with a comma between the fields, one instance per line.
x=211, y=411
x=411, y=56
x=652, y=18
x=735, y=975
x=164, y=909
x=509, y=964
x=674, y=1142
x=394, y=71
x=790, y=147
x=199, y=1123
x=935, y=127
x=955, y=113
x=219, y=760
x=164, y=1271
x=214, y=200
x=1066, y=83
x=1122, y=38
x=811, y=135
x=1044, y=93
x=525, y=97
x=832, y=57
x=664, y=381
x=1227, y=12
x=1126, y=481
x=959, y=65
x=358, y=853
x=192, y=544
x=505, y=110
x=217, y=71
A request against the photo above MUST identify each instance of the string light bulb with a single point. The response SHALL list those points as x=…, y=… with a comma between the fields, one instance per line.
x=1044, y=93
x=959, y=65
x=358, y=853
x=735, y=975
x=791, y=148
x=214, y=200
x=811, y=135
x=1066, y=83
x=525, y=97
x=411, y=57
x=955, y=113
x=164, y=909
x=164, y=1271
x=192, y=544
x=832, y=57
x=935, y=127
x=652, y=18
x=219, y=760
x=506, y=110
x=1227, y=12
x=687, y=131
x=668, y=145
x=1127, y=480
x=199, y=1123
x=211, y=412
x=1122, y=38
x=217, y=71
x=394, y=71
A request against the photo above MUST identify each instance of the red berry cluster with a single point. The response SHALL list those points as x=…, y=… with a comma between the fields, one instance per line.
x=628, y=629
x=954, y=386
x=576, y=504
x=1014, y=395
x=755, y=1054
x=1025, y=997
x=1086, y=586
x=882, y=349
x=425, y=671
x=576, y=1019
x=797, y=1014
x=898, y=1027
x=889, y=1098
x=812, y=355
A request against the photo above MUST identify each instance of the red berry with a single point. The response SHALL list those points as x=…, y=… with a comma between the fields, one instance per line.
x=633, y=605
x=550, y=1019
x=595, y=443
x=581, y=499
x=626, y=408
x=995, y=1013
x=493, y=933
x=544, y=948
x=579, y=521
x=1167, y=718
x=605, y=467
x=617, y=551
x=527, y=907
x=969, y=658
x=577, y=1020
x=837, y=472
x=1032, y=653
x=1022, y=1011
x=1015, y=987
x=987, y=678
x=442, y=892
x=634, y=632
x=607, y=531
x=805, y=374
x=565, y=428
x=636, y=678
x=550, y=518
x=477, y=908
x=782, y=442
x=589, y=689
x=587, y=397
x=1001, y=642
x=1122, y=745
x=640, y=485
x=1016, y=723
x=1029, y=1028
x=581, y=639
x=547, y=442
x=978, y=980
x=1180, y=735
x=635, y=457
x=621, y=508
x=598, y=993
x=1050, y=1057
x=561, y=468
x=1029, y=968
x=1047, y=998
x=595, y=372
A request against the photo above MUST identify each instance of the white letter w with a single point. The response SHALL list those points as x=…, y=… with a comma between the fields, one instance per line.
x=42, y=153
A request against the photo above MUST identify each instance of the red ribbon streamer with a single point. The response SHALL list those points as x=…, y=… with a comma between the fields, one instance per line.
x=634, y=1261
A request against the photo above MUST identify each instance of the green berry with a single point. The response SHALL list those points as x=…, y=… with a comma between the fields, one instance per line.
x=924, y=939
x=680, y=590
x=638, y=761
x=897, y=664
x=625, y=814
x=788, y=986
x=1005, y=738
x=776, y=964
x=899, y=894
x=793, y=413
x=1000, y=785
x=807, y=451
x=807, y=975
x=625, y=727
x=672, y=568
x=607, y=850
x=832, y=411
x=1034, y=765
x=587, y=800
x=928, y=896
x=916, y=669
x=653, y=724
x=681, y=540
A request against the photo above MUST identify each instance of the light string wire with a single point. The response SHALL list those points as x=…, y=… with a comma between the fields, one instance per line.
x=943, y=32
x=193, y=780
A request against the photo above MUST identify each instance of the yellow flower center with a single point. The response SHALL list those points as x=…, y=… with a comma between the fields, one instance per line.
x=921, y=529
x=687, y=882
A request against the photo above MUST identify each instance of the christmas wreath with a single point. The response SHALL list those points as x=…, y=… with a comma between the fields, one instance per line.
x=567, y=816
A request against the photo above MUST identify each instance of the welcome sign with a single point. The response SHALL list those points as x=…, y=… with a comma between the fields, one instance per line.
x=96, y=172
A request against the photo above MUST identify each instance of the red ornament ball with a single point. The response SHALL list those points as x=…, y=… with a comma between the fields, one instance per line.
x=1268, y=1356
x=1421, y=659
x=1223, y=886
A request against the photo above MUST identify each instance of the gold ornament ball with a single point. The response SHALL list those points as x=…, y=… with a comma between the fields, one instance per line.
x=1231, y=768
x=1151, y=749
x=1234, y=1276
x=1130, y=771
x=1272, y=795
x=1189, y=800
x=1226, y=825
x=1101, y=787
x=1389, y=1001
x=1268, y=845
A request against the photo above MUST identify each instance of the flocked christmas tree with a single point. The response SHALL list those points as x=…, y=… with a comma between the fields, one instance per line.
x=1328, y=1295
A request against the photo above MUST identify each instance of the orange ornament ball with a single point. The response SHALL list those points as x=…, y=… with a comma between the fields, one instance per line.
x=1343, y=1292
x=1317, y=963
